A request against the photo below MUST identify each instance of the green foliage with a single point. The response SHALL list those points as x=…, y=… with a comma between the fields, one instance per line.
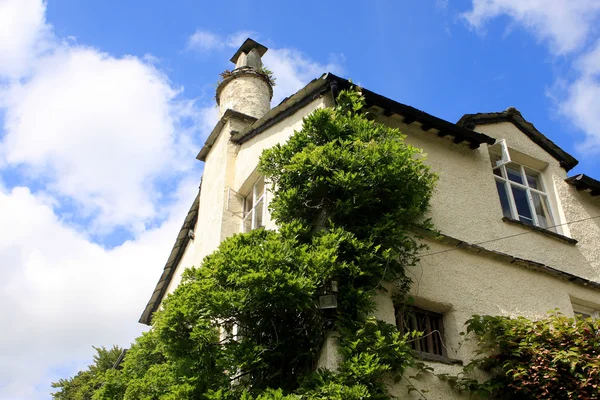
x=267, y=73
x=346, y=192
x=556, y=357
x=263, y=71
x=85, y=383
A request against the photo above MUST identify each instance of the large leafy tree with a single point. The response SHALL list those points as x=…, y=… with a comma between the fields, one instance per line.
x=83, y=385
x=246, y=324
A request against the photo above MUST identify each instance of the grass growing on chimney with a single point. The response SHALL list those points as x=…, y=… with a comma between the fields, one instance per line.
x=262, y=71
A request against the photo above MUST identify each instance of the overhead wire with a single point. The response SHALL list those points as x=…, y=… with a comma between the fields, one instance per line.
x=507, y=237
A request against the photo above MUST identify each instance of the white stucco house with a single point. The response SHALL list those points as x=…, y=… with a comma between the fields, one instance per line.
x=518, y=238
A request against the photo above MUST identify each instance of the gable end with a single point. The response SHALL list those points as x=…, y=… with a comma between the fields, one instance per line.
x=514, y=116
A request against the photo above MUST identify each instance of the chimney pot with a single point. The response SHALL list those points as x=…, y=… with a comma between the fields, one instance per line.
x=246, y=89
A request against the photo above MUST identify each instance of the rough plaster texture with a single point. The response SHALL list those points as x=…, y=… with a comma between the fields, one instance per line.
x=582, y=259
x=431, y=387
x=330, y=358
x=249, y=152
x=219, y=213
x=210, y=213
x=455, y=282
x=247, y=93
x=460, y=284
x=581, y=206
x=187, y=260
x=466, y=205
x=229, y=172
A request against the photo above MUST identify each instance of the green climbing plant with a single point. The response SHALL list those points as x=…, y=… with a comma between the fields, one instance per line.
x=555, y=357
x=246, y=324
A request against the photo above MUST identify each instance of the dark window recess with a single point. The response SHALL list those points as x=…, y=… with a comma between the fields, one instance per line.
x=501, y=186
x=427, y=322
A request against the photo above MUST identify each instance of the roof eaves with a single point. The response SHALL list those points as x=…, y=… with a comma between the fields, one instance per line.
x=411, y=114
x=287, y=107
x=229, y=113
x=174, y=258
x=328, y=81
x=514, y=116
x=584, y=182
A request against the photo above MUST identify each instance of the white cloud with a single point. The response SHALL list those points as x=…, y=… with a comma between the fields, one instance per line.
x=293, y=70
x=566, y=24
x=22, y=36
x=582, y=103
x=570, y=29
x=203, y=41
x=98, y=135
x=236, y=39
x=62, y=293
x=100, y=130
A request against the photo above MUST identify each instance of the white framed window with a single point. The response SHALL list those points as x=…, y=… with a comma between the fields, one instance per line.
x=254, y=213
x=583, y=312
x=522, y=194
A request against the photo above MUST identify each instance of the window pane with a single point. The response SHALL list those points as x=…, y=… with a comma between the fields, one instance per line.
x=248, y=203
x=258, y=214
x=533, y=179
x=429, y=324
x=514, y=173
x=542, y=210
x=522, y=203
x=498, y=172
x=501, y=186
x=582, y=315
x=259, y=188
x=247, y=223
x=583, y=312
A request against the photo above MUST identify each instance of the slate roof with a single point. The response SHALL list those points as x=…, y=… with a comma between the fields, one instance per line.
x=584, y=182
x=330, y=82
x=513, y=115
x=176, y=253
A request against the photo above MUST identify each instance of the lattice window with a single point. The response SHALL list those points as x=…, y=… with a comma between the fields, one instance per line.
x=427, y=322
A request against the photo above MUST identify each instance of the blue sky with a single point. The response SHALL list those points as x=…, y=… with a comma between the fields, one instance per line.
x=104, y=105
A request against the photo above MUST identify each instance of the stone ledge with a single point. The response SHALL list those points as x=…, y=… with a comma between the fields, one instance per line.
x=529, y=264
x=543, y=231
x=436, y=358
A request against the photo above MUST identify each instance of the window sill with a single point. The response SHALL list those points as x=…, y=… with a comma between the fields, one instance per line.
x=541, y=230
x=436, y=358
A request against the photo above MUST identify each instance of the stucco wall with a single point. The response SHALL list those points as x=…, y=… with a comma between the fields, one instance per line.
x=210, y=215
x=582, y=207
x=249, y=152
x=466, y=204
x=582, y=259
x=187, y=260
x=256, y=98
x=229, y=171
x=459, y=284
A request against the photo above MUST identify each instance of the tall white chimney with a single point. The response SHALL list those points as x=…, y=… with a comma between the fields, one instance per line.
x=246, y=89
